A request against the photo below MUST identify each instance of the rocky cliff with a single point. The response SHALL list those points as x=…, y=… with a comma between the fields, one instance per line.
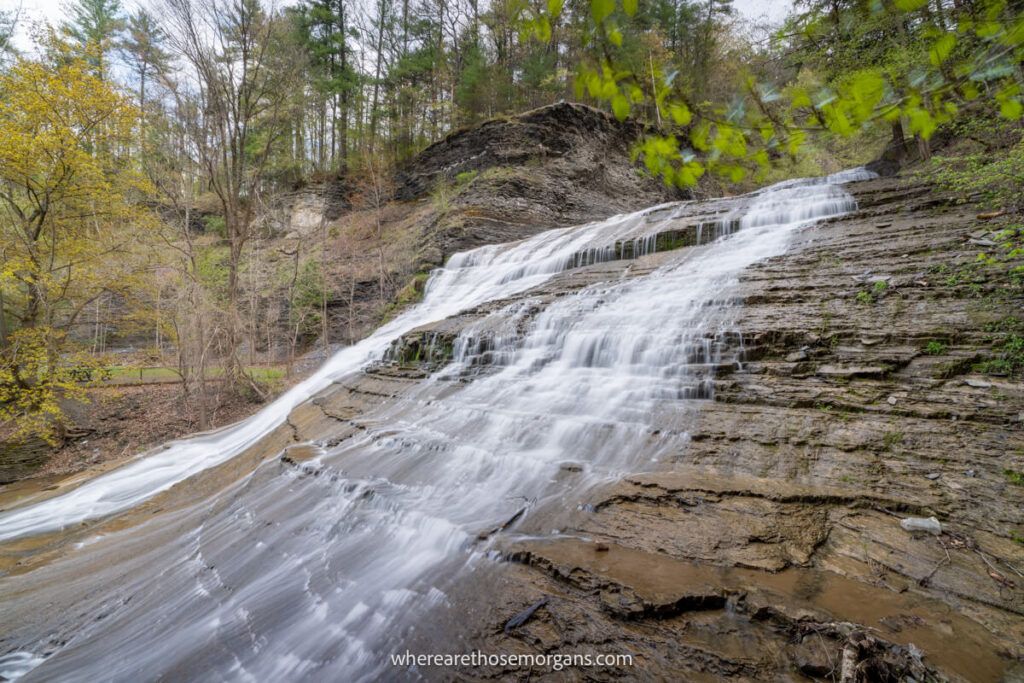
x=842, y=407
x=846, y=398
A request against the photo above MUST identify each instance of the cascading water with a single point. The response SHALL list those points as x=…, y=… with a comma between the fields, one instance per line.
x=283, y=575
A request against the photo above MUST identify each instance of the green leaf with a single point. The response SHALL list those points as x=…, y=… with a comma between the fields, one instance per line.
x=615, y=36
x=909, y=5
x=837, y=121
x=601, y=9
x=699, y=137
x=920, y=120
x=863, y=94
x=680, y=113
x=629, y=6
x=941, y=48
x=1011, y=109
x=796, y=141
x=800, y=98
x=543, y=29
x=688, y=174
x=555, y=8
x=620, y=106
x=1015, y=34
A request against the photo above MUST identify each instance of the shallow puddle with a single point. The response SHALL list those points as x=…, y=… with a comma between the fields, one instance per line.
x=950, y=642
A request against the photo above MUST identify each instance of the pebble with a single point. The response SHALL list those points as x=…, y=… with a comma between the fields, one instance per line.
x=970, y=473
x=977, y=383
x=929, y=524
x=933, y=475
x=891, y=400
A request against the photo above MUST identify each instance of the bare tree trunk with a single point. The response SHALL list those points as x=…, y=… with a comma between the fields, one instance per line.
x=3, y=320
x=381, y=19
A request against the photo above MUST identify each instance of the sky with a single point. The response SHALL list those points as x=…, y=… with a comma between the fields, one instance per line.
x=773, y=10
x=52, y=11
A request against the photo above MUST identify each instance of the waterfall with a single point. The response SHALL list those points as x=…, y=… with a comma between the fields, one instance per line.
x=288, y=575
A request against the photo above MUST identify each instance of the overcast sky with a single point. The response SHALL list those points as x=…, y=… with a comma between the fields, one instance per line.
x=774, y=10
x=51, y=11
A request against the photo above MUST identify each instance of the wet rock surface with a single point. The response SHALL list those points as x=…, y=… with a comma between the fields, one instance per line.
x=770, y=547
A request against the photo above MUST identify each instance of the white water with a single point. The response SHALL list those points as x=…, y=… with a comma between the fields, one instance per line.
x=468, y=279
x=291, y=576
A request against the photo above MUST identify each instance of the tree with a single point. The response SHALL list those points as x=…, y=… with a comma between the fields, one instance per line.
x=326, y=30
x=8, y=24
x=968, y=59
x=94, y=23
x=244, y=89
x=143, y=46
x=69, y=221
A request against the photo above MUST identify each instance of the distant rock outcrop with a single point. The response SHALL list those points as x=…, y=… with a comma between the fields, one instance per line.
x=510, y=178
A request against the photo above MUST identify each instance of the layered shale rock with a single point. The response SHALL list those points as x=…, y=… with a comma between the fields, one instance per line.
x=771, y=545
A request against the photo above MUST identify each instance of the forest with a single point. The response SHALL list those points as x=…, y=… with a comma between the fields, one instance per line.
x=148, y=150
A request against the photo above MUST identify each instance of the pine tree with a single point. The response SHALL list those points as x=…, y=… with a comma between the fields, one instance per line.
x=95, y=24
x=326, y=29
x=143, y=46
x=8, y=23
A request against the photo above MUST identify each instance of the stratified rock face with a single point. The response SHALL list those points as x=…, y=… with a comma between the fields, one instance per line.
x=582, y=137
x=771, y=544
x=563, y=164
x=303, y=213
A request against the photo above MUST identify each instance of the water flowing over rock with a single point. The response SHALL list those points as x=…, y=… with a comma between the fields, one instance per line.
x=532, y=433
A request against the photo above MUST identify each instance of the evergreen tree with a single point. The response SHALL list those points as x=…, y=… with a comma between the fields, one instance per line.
x=95, y=25
x=144, y=49
x=326, y=28
x=8, y=24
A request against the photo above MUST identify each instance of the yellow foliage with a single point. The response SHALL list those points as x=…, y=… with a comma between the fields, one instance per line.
x=71, y=219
